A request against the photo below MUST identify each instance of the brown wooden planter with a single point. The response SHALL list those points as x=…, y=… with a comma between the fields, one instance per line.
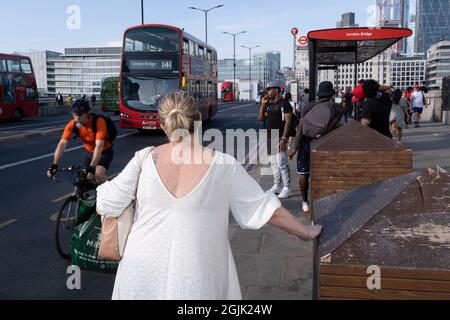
x=401, y=225
x=355, y=156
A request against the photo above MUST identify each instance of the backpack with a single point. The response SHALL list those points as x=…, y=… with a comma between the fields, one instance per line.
x=424, y=100
x=316, y=121
x=110, y=127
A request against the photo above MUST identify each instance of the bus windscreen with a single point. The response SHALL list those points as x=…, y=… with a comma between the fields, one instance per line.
x=143, y=92
x=152, y=39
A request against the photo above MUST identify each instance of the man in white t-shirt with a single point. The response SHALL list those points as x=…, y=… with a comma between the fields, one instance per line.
x=418, y=102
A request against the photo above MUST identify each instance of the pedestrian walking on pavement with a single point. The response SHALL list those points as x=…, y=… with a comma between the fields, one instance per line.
x=418, y=102
x=59, y=99
x=295, y=120
x=178, y=247
x=279, y=121
x=357, y=100
x=408, y=113
x=93, y=100
x=397, y=116
x=304, y=101
x=377, y=107
x=347, y=104
x=302, y=143
x=69, y=100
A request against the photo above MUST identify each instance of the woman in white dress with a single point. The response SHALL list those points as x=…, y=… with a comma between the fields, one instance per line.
x=178, y=247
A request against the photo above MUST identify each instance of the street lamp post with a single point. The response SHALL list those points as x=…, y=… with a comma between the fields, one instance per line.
x=234, y=35
x=142, y=11
x=250, y=70
x=206, y=17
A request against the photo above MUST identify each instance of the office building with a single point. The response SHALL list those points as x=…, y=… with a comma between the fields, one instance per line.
x=44, y=68
x=410, y=42
x=80, y=71
x=395, y=14
x=438, y=64
x=275, y=57
x=265, y=68
x=302, y=66
x=347, y=21
x=378, y=68
x=407, y=70
x=432, y=23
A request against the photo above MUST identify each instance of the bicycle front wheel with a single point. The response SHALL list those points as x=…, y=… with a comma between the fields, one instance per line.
x=65, y=225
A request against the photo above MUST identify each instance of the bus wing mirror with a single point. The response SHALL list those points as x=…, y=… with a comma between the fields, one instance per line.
x=184, y=83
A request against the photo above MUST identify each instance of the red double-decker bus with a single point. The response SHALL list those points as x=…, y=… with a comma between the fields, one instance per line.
x=160, y=59
x=227, y=91
x=18, y=90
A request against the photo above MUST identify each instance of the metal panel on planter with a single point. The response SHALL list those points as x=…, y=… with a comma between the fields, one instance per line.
x=404, y=233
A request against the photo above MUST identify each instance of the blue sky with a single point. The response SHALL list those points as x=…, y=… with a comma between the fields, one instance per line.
x=42, y=24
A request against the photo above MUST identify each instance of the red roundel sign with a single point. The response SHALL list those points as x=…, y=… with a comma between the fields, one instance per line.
x=303, y=41
x=294, y=31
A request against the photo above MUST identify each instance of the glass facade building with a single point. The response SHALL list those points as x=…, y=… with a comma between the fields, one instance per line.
x=265, y=68
x=432, y=23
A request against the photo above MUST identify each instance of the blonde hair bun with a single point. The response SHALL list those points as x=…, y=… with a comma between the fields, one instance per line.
x=178, y=112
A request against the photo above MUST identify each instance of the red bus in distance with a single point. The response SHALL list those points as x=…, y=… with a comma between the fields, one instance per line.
x=18, y=90
x=226, y=90
x=160, y=59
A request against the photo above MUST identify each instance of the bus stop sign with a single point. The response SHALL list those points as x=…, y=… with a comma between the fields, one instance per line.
x=303, y=41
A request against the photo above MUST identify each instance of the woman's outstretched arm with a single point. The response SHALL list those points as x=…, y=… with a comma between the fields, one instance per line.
x=284, y=220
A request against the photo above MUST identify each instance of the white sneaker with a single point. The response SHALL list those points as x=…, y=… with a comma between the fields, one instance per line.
x=305, y=207
x=285, y=193
x=276, y=189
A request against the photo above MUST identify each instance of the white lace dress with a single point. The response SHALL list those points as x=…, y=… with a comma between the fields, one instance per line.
x=179, y=248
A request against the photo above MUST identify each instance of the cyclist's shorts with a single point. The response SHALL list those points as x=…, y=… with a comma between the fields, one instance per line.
x=105, y=160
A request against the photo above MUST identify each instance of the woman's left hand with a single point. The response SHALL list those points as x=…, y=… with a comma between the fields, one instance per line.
x=311, y=232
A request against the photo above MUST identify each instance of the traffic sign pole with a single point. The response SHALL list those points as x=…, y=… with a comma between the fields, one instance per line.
x=294, y=32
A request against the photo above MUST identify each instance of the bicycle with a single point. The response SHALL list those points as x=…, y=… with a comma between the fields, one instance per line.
x=66, y=220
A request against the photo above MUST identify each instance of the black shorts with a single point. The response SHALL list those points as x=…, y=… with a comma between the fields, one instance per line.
x=304, y=158
x=105, y=160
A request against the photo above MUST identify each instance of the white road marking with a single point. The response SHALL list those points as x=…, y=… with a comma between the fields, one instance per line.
x=33, y=124
x=10, y=165
x=238, y=107
x=39, y=126
x=53, y=216
x=6, y=132
x=44, y=128
x=7, y=223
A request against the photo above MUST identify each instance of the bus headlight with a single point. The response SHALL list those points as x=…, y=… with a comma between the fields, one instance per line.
x=124, y=115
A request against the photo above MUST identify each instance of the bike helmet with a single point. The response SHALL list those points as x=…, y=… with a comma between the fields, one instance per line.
x=81, y=106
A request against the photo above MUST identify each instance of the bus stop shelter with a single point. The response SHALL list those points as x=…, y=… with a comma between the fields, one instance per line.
x=330, y=48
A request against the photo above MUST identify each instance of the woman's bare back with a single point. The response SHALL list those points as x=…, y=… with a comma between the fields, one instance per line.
x=180, y=168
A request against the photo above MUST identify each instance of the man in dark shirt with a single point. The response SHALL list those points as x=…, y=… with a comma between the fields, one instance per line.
x=279, y=119
x=302, y=143
x=377, y=107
